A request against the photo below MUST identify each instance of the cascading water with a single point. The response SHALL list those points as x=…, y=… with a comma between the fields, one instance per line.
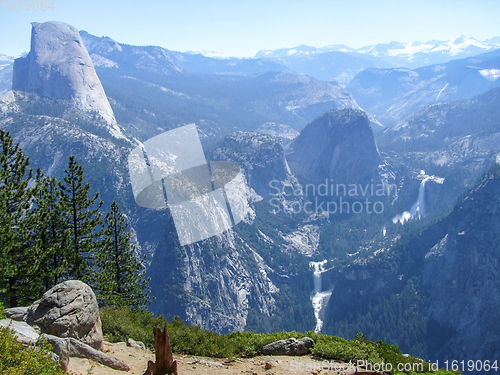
x=418, y=208
x=319, y=298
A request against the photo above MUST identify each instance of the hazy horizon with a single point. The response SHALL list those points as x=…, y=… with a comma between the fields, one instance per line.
x=242, y=29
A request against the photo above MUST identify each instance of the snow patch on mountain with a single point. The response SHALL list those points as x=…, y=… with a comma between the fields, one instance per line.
x=212, y=54
x=490, y=74
x=409, y=55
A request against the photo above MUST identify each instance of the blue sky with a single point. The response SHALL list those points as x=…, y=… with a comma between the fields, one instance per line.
x=241, y=28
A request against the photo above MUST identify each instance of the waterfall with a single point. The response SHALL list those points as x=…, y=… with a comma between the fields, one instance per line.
x=418, y=208
x=319, y=298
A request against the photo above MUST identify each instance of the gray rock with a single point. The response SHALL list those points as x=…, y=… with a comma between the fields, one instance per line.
x=58, y=66
x=136, y=344
x=68, y=309
x=24, y=332
x=70, y=347
x=61, y=348
x=206, y=363
x=291, y=346
x=16, y=313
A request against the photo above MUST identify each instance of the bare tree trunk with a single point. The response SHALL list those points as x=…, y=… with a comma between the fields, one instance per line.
x=165, y=364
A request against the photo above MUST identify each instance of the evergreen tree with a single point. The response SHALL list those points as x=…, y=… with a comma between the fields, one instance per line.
x=82, y=220
x=53, y=238
x=18, y=255
x=121, y=280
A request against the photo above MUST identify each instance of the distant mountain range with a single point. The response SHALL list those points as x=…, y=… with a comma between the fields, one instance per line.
x=330, y=63
x=341, y=63
x=391, y=94
x=166, y=88
x=407, y=55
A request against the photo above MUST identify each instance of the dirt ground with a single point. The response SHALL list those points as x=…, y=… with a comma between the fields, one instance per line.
x=137, y=359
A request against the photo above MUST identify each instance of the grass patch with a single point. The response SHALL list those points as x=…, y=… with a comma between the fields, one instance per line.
x=121, y=324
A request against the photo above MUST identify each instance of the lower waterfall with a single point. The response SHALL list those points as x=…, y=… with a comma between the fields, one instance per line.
x=319, y=298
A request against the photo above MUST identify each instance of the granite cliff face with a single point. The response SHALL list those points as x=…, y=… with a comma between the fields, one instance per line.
x=338, y=146
x=461, y=275
x=58, y=66
x=261, y=156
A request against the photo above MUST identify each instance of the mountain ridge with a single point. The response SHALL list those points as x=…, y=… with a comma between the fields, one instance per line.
x=409, y=55
x=390, y=94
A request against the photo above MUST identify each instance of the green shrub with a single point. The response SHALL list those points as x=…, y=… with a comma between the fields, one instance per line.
x=18, y=360
x=339, y=349
x=2, y=308
x=122, y=323
x=196, y=341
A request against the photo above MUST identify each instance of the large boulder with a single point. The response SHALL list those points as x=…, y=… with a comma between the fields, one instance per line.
x=68, y=310
x=291, y=346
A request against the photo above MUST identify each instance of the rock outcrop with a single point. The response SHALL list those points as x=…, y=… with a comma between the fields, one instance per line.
x=260, y=156
x=58, y=66
x=68, y=309
x=70, y=347
x=24, y=333
x=291, y=346
x=338, y=146
x=68, y=317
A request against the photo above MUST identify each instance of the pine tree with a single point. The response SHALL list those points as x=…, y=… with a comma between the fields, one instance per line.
x=121, y=280
x=82, y=220
x=50, y=231
x=18, y=255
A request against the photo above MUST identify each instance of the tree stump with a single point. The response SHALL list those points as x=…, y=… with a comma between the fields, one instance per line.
x=165, y=363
